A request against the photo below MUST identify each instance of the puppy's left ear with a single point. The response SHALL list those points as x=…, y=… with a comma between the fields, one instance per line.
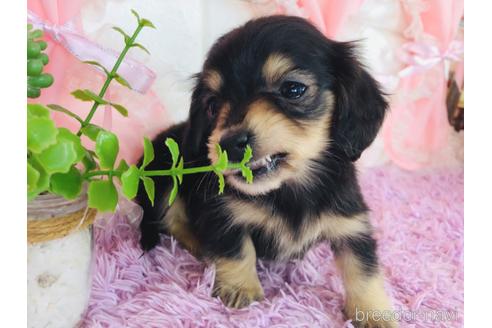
x=360, y=105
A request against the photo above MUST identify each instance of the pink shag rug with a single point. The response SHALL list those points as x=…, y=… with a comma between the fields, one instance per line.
x=419, y=224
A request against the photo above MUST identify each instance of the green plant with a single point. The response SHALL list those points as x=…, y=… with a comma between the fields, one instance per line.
x=58, y=163
x=36, y=60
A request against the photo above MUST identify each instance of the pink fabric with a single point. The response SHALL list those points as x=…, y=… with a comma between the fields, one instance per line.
x=329, y=15
x=418, y=219
x=146, y=115
x=417, y=124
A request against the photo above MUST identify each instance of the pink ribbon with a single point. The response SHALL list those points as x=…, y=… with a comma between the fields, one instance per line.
x=138, y=75
x=421, y=56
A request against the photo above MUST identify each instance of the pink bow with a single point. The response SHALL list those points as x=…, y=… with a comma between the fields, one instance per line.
x=138, y=75
x=421, y=56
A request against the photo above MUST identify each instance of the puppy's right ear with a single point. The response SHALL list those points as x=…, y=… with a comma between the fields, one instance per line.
x=360, y=105
x=195, y=131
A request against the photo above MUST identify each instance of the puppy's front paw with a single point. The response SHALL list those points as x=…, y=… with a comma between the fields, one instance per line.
x=238, y=297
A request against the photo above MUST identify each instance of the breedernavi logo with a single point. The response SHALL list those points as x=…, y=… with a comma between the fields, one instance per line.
x=407, y=315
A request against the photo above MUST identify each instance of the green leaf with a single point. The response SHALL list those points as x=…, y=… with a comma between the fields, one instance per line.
x=32, y=178
x=34, y=67
x=222, y=160
x=43, y=44
x=149, y=188
x=41, y=133
x=37, y=111
x=33, y=92
x=221, y=183
x=148, y=153
x=91, y=131
x=95, y=63
x=129, y=182
x=247, y=174
x=88, y=162
x=40, y=81
x=33, y=49
x=174, y=192
x=125, y=36
x=123, y=166
x=122, y=110
x=107, y=147
x=88, y=95
x=180, y=168
x=102, y=195
x=136, y=15
x=36, y=34
x=248, y=154
x=58, y=158
x=173, y=149
x=66, y=134
x=146, y=22
x=245, y=170
x=138, y=45
x=43, y=179
x=68, y=185
x=61, y=109
x=122, y=81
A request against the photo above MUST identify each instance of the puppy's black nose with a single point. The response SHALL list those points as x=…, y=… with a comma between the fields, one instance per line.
x=235, y=145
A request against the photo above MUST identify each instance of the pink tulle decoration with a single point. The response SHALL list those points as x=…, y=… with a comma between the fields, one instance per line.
x=329, y=15
x=417, y=126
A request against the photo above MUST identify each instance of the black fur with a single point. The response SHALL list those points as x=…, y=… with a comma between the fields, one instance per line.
x=358, y=114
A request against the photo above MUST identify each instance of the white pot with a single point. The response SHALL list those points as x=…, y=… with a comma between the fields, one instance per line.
x=58, y=271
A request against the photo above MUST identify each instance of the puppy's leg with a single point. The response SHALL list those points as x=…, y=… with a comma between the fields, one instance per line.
x=366, y=300
x=236, y=279
x=151, y=224
x=177, y=224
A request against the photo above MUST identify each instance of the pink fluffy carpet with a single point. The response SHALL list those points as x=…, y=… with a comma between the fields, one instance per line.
x=419, y=225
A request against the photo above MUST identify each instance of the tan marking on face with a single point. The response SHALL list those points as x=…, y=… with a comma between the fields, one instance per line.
x=236, y=280
x=276, y=66
x=213, y=80
x=364, y=293
x=218, y=132
x=276, y=133
x=327, y=226
x=176, y=222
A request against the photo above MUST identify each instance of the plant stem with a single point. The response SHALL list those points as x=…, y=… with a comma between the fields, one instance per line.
x=170, y=172
x=110, y=77
x=190, y=170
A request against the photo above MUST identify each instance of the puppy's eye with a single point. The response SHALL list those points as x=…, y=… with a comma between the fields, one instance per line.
x=292, y=89
x=212, y=107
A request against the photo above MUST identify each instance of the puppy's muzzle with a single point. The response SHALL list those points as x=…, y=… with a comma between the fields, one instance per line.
x=234, y=143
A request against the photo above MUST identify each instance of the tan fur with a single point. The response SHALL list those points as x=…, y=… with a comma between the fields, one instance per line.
x=327, y=226
x=217, y=133
x=176, y=222
x=213, y=80
x=275, y=67
x=236, y=280
x=363, y=293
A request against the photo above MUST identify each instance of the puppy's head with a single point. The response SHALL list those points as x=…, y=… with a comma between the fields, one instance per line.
x=278, y=85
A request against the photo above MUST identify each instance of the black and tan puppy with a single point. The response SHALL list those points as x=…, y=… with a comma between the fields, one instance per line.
x=308, y=109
